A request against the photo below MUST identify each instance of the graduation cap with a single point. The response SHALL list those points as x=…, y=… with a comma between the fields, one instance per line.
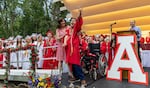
x=18, y=36
x=33, y=35
x=10, y=38
x=114, y=34
x=97, y=35
x=39, y=35
x=49, y=31
x=27, y=37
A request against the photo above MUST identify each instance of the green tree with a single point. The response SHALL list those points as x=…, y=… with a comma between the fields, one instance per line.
x=56, y=14
x=27, y=16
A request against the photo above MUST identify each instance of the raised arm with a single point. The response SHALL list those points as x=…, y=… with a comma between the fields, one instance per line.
x=79, y=22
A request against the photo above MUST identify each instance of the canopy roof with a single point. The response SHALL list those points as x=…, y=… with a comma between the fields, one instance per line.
x=99, y=14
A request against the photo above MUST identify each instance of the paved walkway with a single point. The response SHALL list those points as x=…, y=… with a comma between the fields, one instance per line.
x=101, y=83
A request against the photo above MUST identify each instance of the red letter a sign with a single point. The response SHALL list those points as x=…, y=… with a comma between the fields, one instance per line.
x=131, y=62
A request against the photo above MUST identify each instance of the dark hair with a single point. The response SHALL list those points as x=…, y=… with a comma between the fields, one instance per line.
x=19, y=42
x=33, y=39
x=59, y=22
x=4, y=44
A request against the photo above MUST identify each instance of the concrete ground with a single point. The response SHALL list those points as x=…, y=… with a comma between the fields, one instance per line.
x=101, y=83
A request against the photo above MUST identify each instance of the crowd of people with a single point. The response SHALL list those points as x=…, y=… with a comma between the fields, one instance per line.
x=66, y=46
x=53, y=50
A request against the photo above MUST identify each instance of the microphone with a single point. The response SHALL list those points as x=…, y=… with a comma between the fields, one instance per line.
x=113, y=23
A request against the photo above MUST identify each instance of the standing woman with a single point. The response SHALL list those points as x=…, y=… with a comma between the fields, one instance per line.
x=40, y=50
x=60, y=34
x=19, y=53
x=34, y=39
x=27, y=54
x=73, y=51
x=13, y=55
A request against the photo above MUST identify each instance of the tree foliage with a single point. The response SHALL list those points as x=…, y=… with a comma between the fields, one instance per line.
x=24, y=17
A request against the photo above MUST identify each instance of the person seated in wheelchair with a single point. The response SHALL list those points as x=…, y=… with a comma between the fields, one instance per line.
x=94, y=47
x=90, y=57
x=95, y=57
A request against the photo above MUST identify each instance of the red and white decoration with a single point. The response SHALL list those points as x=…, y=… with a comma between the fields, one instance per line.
x=131, y=62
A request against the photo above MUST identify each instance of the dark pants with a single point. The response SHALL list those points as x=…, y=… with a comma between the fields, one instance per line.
x=77, y=72
x=139, y=54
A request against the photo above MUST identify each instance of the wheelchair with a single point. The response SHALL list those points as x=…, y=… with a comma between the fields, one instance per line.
x=93, y=62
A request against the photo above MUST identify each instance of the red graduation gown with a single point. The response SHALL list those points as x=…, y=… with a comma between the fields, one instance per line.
x=108, y=49
x=1, y=59
x=84, y=44
x=49, y=64
x=103, y=47
x=74, y=58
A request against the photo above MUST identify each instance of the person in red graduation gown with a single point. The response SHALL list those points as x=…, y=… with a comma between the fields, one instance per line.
x=73, y=52
x=49, y=52
x=108, y=52
x=102, y=45
x=84, y=44
x=1, y=54
x=105, y=48
x=113, y=45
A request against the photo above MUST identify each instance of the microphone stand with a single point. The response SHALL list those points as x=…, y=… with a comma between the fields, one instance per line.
x=111, y=32
x=111, y=41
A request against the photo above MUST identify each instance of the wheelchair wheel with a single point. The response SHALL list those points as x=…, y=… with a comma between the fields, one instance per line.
x=102, y=64
x=84, y=65
x=94, y=74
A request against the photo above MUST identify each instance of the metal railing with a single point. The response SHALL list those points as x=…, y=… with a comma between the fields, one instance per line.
x=17, y=54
